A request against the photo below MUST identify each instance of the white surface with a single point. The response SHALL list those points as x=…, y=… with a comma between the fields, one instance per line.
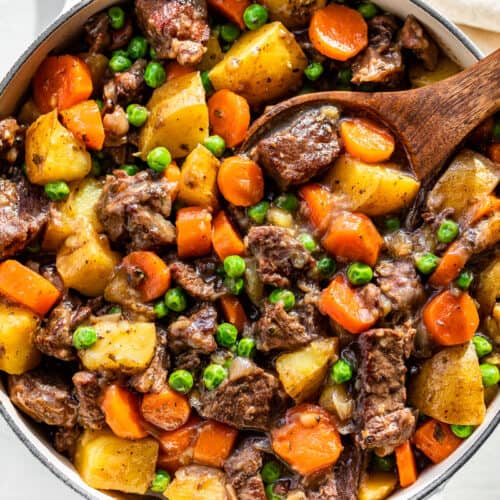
x=23, y=477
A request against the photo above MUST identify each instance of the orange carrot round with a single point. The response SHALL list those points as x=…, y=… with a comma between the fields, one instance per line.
x=450, y=265
x=241, y=181
x=338, y=32
x=451, y=319
x=436, y=440
x=168, y=409
x=407, y=467
x=233, y=311
x=85, y=122
x=225, y=240
x=366, y=140
x=229, y=116
x=175, y=70
x=319, y=202
x=194, y=232
x=214, y=444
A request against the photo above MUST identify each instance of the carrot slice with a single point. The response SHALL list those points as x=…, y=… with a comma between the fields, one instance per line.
x=229, y=116
x=309, y=440
x=451, y=319
x=225, y=240
x=450, y=265
x=156, y=273
x=319, y=203
x=436, y=440
x=338, y=32
x=366, y=140
x=20, y=284
x=173, y=175
x=175, y=70
x=494, y=152
x=233, y=311
x=407, y=467
x=194, y=232
x=85, y=122
x=344, y=305
x=241, y=181
x=353, y=236
x=168, y=409
x=231, y=9
x=214, y=444
x=121, y=410
x=61, y=82
x=484, y=207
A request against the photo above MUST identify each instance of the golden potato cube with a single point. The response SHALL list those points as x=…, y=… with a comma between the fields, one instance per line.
x=107, y=462
x=86, y=262
x=488, y=287
x=212, y=56
x=195, y=482
x=302, y=372
x=53, y=153
x=377, y=485
x=124, y=345
x=17, y=351
x=178, y=117
x=420, y=77
x=262, y=65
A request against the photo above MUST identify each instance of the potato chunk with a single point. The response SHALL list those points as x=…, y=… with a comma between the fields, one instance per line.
x=302, y=372
x=371, y=189
x=121, y=345
x=377, y=485
x=420, y=77
x=293, y=13
x=107, y=462
x=449, y=387
x=53, y=153
x=262, y=65
x=198, y=184
x=195, y=482
x=488, y=287
x=178, y=117
x=17, y=351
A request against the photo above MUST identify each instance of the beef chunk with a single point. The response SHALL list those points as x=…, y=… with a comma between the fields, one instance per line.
x=242, y=469
x=45, y=397
x=189, y=360
x=154, y=377
x=415, y=38
x=126, y=86
x=303, y=148
x=381, y=61
x=24, y=210
x=380, y=409
x=66, y=439
x=11, y=140
x=279, y=254
x=195, y=331
x=133, y=210
x=248, y=399
x=348, y=472
x=197, y=281
x=55, y=336
x=322, y=486
x=177, y=29
x=89, y=389
x=100, y=37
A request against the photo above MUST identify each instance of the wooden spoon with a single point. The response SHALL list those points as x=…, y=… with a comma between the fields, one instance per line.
x=429, y=122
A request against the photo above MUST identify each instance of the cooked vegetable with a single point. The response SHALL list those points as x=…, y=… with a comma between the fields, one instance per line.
x=448, y=231
x=490, y=374
x=231, y=9
x=198, y=182
x=326, y=267
x=314, y=71
x=173, y=176
x=337, y=401
x=494, y=152
x=280, y=217
x=121, y=345
x=173, y=109
x=464, y=280
x=377, y=485
x=61, y=82
x=108, y=462
x=483, y=345
x=53, y=153
x=137, y=48
x=175, y=299
x=212, y=56
x=234, y=312
x=214, y=444
x=155, y=75
x=17, y=351
x=234, y=285
x=420, y=76
x=122, y=411
x=436, y=440
x=246, y=347
x=407, y=468
x=161, y=481
x=194, y=232
x=181, y=381
x=225, y=240
x=319, y=203
x=449, y=387
x=137, y=115
x=302, y=372
x=56, y=191
x=293, y=13
x=227, y=334
x=269, y=65
x=176, y=70
x=462, y=431
x=287, y=201
x=338, y=32
x=359, y=273
x=255, y=16
x=271, y=471
x=450, y=265
x=241, y=181
x=213, y=376
x=427, y=263
x=84, y=337
x=85, y=122
x=308, y=441
x=341, y=372
x=116, y=17
x=215, y=144
x=488, y=287
x=368, y=10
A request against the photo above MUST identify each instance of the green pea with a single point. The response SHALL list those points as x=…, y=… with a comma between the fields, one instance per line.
x=234, y=285
x=160, y=481
x=383, y=464
x=255, y=16
x=258, y=212
x=216, y=145
x=96, y=170
x=207, y=84
x=213, y=376
x=326, y=267
x=270, y=493
x=115, y=310
x=137, y=48
x=234, y=266
x=462, y=431
x=448, y=231
x=100, y=104
x=344, y=76
x=159, y=159
x=285, y=297
x=130, y=169
x=483, y=345
x=227, y=334
x=246, y=347
x=181, y=381
x=116, y=17
x=367, y=10
x=490, y=374
x=287, y=202
x=160, y=309
x=308, y=241
x=392, y=224
x=464, y=280
x=84, y=337
x=271, y=471
x=229, y=32
x=175, y=299
x=56, y=191
x=119, y=62
x=137, y=115
x=314, y=71
x=427, y=263
x=359, y=273
x=341, y=372
x=154, y=75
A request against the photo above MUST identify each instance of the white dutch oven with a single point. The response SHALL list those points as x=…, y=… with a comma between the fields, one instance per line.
x=15, y=85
